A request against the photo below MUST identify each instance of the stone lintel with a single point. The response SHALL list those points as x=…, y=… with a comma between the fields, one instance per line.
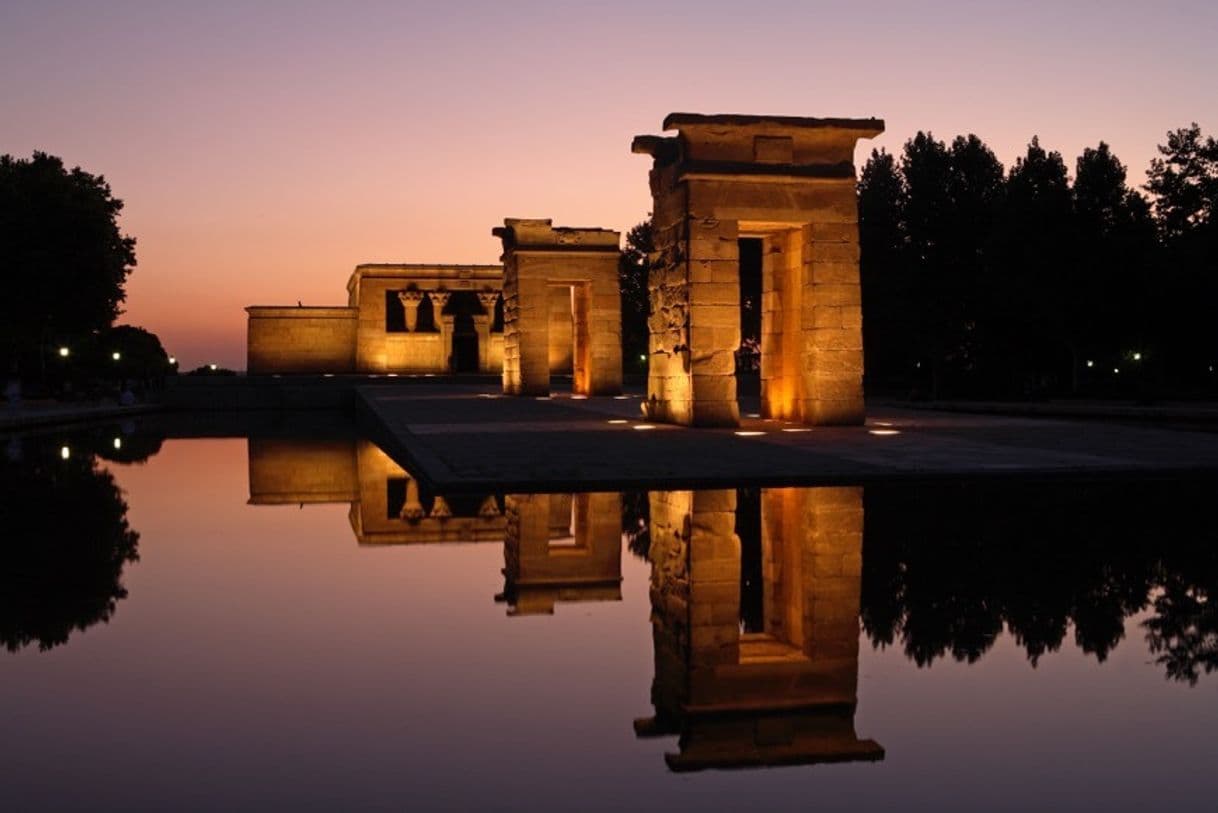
x=866, y=128
x=533, y=235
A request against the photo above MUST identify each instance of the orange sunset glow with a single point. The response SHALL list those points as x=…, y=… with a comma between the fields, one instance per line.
x=262, y=152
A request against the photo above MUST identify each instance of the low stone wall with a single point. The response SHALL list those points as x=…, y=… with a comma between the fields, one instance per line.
x=301, y=340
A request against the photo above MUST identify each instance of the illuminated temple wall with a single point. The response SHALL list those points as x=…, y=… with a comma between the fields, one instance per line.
x=783, y=694
x=358, y=338
x=544, y=267
x=790, y=183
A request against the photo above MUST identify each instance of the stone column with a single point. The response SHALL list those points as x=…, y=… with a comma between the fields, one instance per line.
x=410, y=303
x=412, y=508
x=438, y=300
x=482, y=324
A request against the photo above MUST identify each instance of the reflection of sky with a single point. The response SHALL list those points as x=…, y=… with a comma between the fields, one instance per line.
x=263, y=657
x=265, y=149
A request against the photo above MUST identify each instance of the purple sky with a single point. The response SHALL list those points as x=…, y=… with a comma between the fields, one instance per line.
x=265, y=150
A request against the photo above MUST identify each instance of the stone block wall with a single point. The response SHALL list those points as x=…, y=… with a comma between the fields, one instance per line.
x=300, y=340
x=791, y=183
x=542, y=264
x=292, y=472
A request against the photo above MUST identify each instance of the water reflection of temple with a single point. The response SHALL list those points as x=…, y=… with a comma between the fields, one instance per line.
x=756, y=645
x=557, y=547
x=561, y=548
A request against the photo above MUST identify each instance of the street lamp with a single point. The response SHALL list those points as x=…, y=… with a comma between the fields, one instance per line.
x=212, y=367
x=64, y=352
x=116, y=355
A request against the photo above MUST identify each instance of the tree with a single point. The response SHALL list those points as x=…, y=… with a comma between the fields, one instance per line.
x=1110, y=296
x=633, y=268
x=1183, y=184
x=63, y=260
x=1026, y=312
x=882, y=271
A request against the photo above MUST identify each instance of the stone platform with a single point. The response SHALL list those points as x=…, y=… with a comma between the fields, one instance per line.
x=477, y=440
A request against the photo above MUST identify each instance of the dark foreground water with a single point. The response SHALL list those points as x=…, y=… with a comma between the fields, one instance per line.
x=278, y=623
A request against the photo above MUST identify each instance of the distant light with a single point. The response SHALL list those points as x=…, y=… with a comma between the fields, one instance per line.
x=885, y=431
x=749, y=433
x=919, y=365
x=118, y=443
x=64, y=352
x=1137, y=356
x=796, y=429
x=644, y=426
x=1090, y=363
x=643, y=357
x=1116, y=370
x=65, y=452
x=173, y=360
x=627, y=397
x=116, y=355
x=619, y=420
x=487, y=395
x=213, y=367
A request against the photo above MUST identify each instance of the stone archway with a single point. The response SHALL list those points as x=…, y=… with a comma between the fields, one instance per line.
x=540, y=261
x=790, y=183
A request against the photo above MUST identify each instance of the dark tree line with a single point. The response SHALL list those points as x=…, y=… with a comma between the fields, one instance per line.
x=64, y=263
x=982, y=281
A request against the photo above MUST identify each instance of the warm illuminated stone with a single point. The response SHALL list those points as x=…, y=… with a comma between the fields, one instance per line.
x=543, y=267
x=791, y=183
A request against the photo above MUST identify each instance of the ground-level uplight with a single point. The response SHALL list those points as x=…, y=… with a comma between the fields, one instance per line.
x=619, y=421
x=644, y=426
x=64, y=352
x=749, y=433
x=796, y=429
x=885, y=431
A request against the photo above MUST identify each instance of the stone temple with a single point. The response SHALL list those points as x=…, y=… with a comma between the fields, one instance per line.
x=789, y=182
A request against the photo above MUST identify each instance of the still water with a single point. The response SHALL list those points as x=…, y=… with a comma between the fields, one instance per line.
x=248, y=623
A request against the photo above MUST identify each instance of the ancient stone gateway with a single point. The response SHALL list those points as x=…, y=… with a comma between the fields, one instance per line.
x=789, y=182
x=581, y=264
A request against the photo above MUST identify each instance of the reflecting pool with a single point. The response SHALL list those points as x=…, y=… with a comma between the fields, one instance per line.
x=294, y=620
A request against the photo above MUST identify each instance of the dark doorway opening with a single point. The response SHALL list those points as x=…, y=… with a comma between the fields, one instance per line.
x=463, y=306
x=748, y=355
x=752, y=584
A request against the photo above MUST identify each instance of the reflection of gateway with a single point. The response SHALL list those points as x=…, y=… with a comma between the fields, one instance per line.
x=784, y=691
x=557, y=547
x=561, y=547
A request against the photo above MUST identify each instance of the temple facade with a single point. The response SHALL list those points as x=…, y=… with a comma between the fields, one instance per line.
x=402, y=318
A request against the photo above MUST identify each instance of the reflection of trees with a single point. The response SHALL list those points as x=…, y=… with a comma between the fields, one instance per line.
x=945, y=567
x=65, y=542
x=636, y=523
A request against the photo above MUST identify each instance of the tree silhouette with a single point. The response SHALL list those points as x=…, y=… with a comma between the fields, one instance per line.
x=633, y=269
x=63, y=259
x=882, y=272
x=66, y=541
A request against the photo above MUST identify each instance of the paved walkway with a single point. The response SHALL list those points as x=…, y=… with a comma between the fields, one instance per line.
x=33, y=414
x=477, y=441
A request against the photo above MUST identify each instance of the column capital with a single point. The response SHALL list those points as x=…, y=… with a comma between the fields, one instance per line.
x=488, y=300
x=439, y=299
x=410, y=297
